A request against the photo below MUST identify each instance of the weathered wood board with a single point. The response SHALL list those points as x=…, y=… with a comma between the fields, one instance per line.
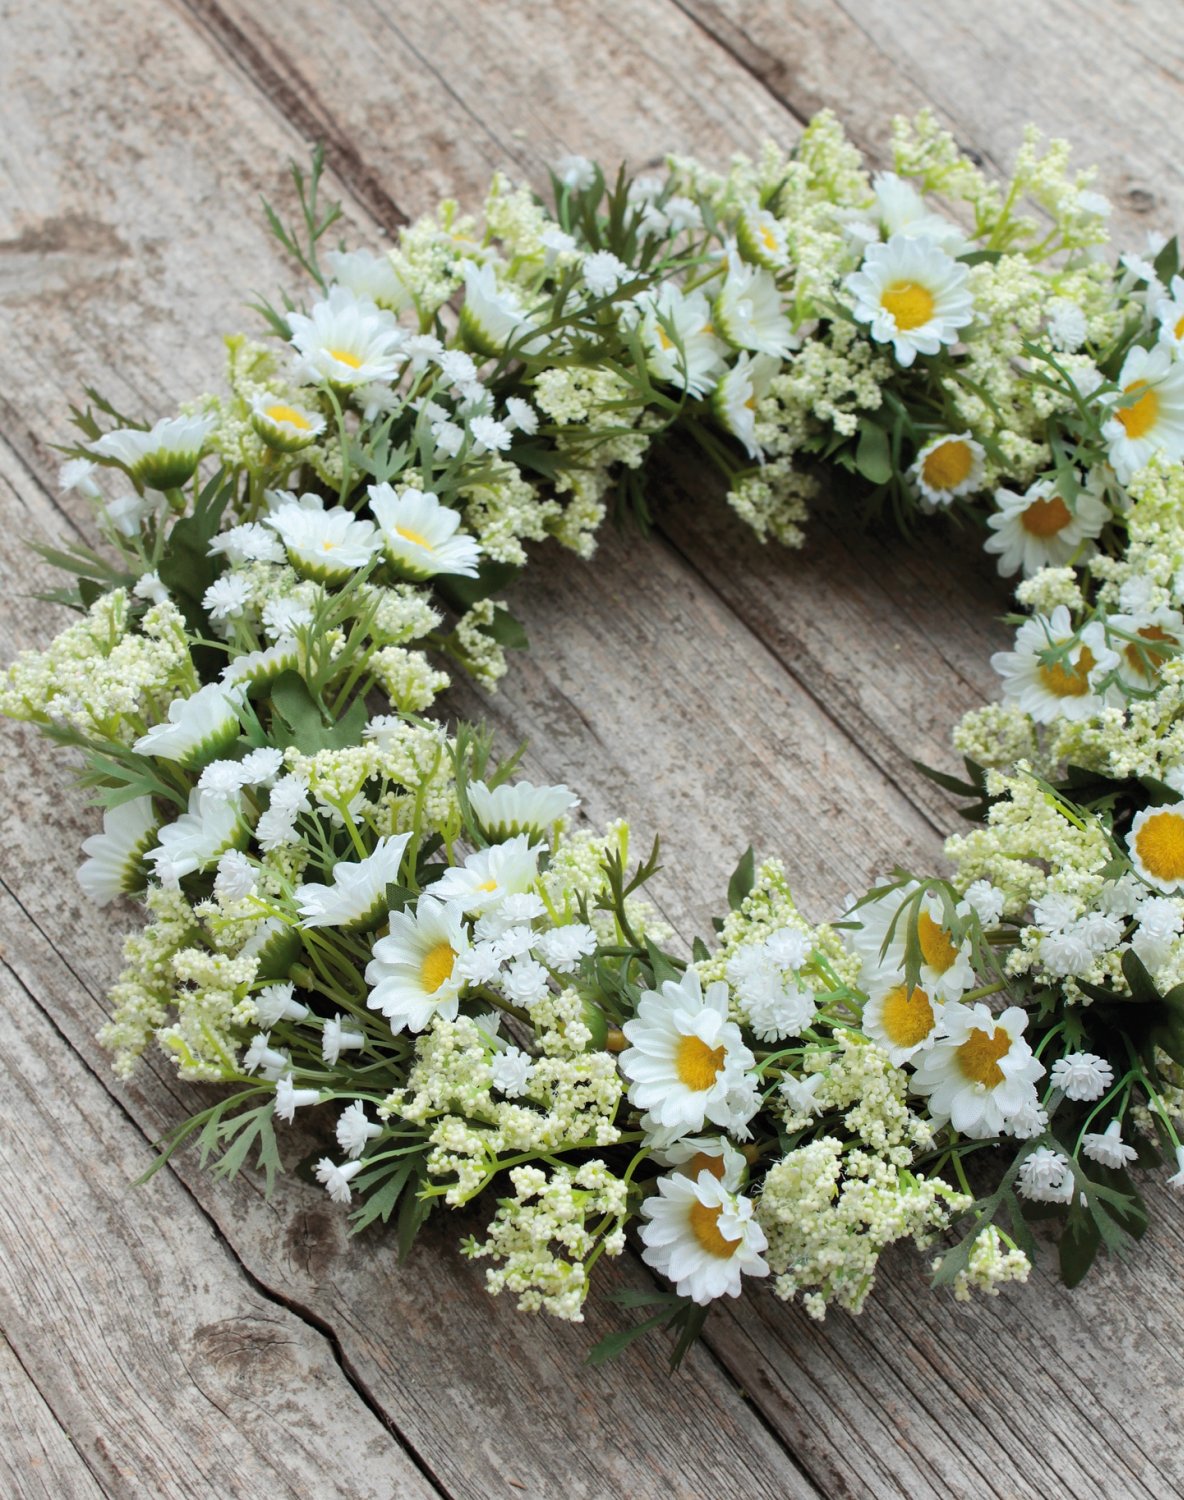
x=713, y=690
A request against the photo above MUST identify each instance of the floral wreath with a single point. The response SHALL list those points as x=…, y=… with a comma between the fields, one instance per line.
x=357, y=916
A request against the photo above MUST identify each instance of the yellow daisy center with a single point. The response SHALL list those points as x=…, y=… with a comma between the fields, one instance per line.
x=937, y=947
x=906, y=1019
x=1141, y=416
x=1148, y=659
x=328, y=545
x=910, y=304
x=948, y=465
x=414, y=536
x=768, y=238
x=1159, y=844
x=436, y=968
x=488, y=885
x=1067, y=680
x=703, y=1161
x=697, y=1064
x=344, y=357
x=288, y=414
x=1178, y=331
x=664, y=338
x=979, y=1055
x=705, y=1228
x=1046, y=517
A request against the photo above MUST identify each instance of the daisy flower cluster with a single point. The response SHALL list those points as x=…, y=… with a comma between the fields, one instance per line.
x=381, y=944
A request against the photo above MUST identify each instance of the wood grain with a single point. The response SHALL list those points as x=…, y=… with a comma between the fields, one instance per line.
x=704, y=673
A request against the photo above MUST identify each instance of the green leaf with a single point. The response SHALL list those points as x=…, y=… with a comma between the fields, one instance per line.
x=413, y=1215
x=187, y=568
x=507, y=630
x=303, y=723
x=660, y=965
x=1078, y=1246
x=873, y=456
x=462, y=593
x=743, y=879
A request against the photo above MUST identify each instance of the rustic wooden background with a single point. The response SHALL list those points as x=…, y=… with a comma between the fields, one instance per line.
x=191, y=1339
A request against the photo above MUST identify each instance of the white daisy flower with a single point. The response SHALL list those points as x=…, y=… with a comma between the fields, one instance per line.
x=337, y=1179
x=749, y=311
x=198, y=838
x=510, y=1072
x=420, y=535
x=1064, y=685
x=1144, y=642
x=115, y=862
x=1081, y=1075
x=1169, y=314
x=981, y=1072
x=702, y=1237
x=761, y=238
x=947, y=966
x=356, y=899
x=354, y=1130
x=519, y=807
x=199, y=728
x=1156, y=846
x=1150, y=418
x=707, y=1153
x=162, y=458
x=735, y=397
x=412, y=975
x=284, y=425
x=346, y=341
x=489, y=876
x=947, y=468
x=914, y=296
x=492, y=319
x=1108, y=1149
x=899, y=209
x=370, y=277
x=902, y=1022
x=1176, y=1180
x=1038, y=529
x=684, y=1054
x=326, y=545
x=260, y=668
x=679, y=337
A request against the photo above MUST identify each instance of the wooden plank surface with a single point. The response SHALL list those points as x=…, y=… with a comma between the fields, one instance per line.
x=705, y=674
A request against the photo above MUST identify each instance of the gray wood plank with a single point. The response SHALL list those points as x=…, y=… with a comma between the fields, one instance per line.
x=37, y=1459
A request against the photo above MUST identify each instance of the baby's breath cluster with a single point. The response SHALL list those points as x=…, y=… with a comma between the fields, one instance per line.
x=360, y=917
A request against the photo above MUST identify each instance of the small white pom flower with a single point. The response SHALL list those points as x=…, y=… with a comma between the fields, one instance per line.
x=562, y=948
x=261, y=1057
x=800, y=1093
x=914, y=296
x=489, y=435
x=603, y=273
x=288, y=1098
x=1176, y=1180
x=226, y=598
x=354, y=1130
x=1109, y=1149
x=511, y=1072
x=521, y=416
x=277, y=1003
x=337, y=1037
x=337, y=1179
x=236, y=877
x=524, y=982
x=1081, y=1075
x=576, y=173
x=1045, y=1176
